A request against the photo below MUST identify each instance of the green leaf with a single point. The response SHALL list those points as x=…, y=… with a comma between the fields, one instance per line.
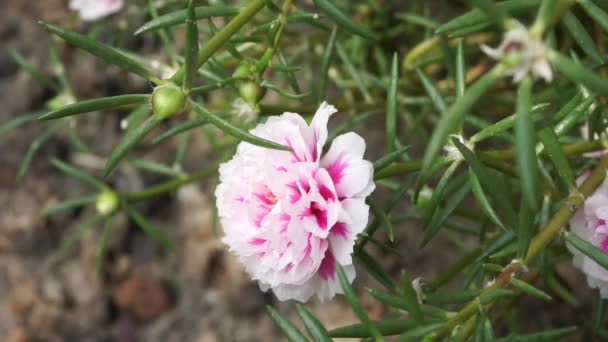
x=489, y=184
x=34, y=71
x=18, y=122
x=419, y=20
x=354, y=73
x=104, y=103
x=491, y=11
x=416, y=333
x=452, y=297
x=325, y=63
x=128, y=142
x=441, y=216
x=572, y=119
x=551, y=144
x=595, y=12
x=588, y=249
x=106, y=52
x=525, y=228
x=437, y=197
x=529, y=289
x=432, y=91
x=525, y=144
x=74, y=172
x=411, y=298
x=69, y=204
x=477, y=17
x=150, y=229
x=387, y=327
x=234, y=131
x=136, y=117
x=495, y=294
x=578, y=73
x=103, y=244
x=461, y=69
x=384, y=219
x=283, y=92
x=34, y=147
x=389, y=158
x=191, y=48
x=483, y=201
x=391, y=104
x=549, y=335
x=581, y=37
x=570, y=106
x=179, y=17
x=155, y=167
x=92, y=222
x=374, y=268
x=289, y=330
x=315, y=328
x=507, y=123
x=182, y=127
x=354, y=302
x=329, y=8
x=452, y=119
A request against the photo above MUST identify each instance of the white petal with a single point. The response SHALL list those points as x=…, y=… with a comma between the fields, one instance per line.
x=344, y=161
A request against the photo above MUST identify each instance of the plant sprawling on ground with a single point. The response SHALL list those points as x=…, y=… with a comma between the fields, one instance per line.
x=494, y=125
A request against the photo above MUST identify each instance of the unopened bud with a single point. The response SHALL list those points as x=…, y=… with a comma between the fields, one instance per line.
x=251, y=93
x=107, y=203
x=424, y=197
x=243, y=71
x=167, y=100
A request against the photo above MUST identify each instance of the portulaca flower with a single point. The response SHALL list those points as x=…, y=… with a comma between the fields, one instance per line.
x=290, y=217
x=529, y=51
x=590, y=223
x=91, y=10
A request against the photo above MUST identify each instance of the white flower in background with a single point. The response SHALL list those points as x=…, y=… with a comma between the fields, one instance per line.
x=590, y=223
x=290, y=217
x=529, y=51
x=91, y=10
x=243, y=110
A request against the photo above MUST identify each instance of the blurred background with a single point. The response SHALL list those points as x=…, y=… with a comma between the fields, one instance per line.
x=200, y=292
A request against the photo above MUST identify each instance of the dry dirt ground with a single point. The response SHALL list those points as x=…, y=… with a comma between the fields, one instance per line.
x=198, y=293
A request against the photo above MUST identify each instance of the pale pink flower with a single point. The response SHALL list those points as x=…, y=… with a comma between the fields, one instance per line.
x=291, y=216
x=530, y=50
x=91, y=10
x=590, y=223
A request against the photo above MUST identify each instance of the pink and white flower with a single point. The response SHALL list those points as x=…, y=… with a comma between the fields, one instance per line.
x=91, y=10
x=530, y=52
x=590, y=223
x=291, y=216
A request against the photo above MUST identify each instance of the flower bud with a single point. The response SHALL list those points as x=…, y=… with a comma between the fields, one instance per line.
x=107, y=203
x=243, y=71
x=251, y=93
x=424, y=197
x=167, y=100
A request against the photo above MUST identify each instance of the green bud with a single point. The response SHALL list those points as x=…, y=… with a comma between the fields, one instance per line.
x=167, y=100
x=424, y=197
x=251, y=93
x=107, y=202
x=63, y=99
x=243, y=71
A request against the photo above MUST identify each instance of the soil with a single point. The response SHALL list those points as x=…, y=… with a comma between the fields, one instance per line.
x=199, y=293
